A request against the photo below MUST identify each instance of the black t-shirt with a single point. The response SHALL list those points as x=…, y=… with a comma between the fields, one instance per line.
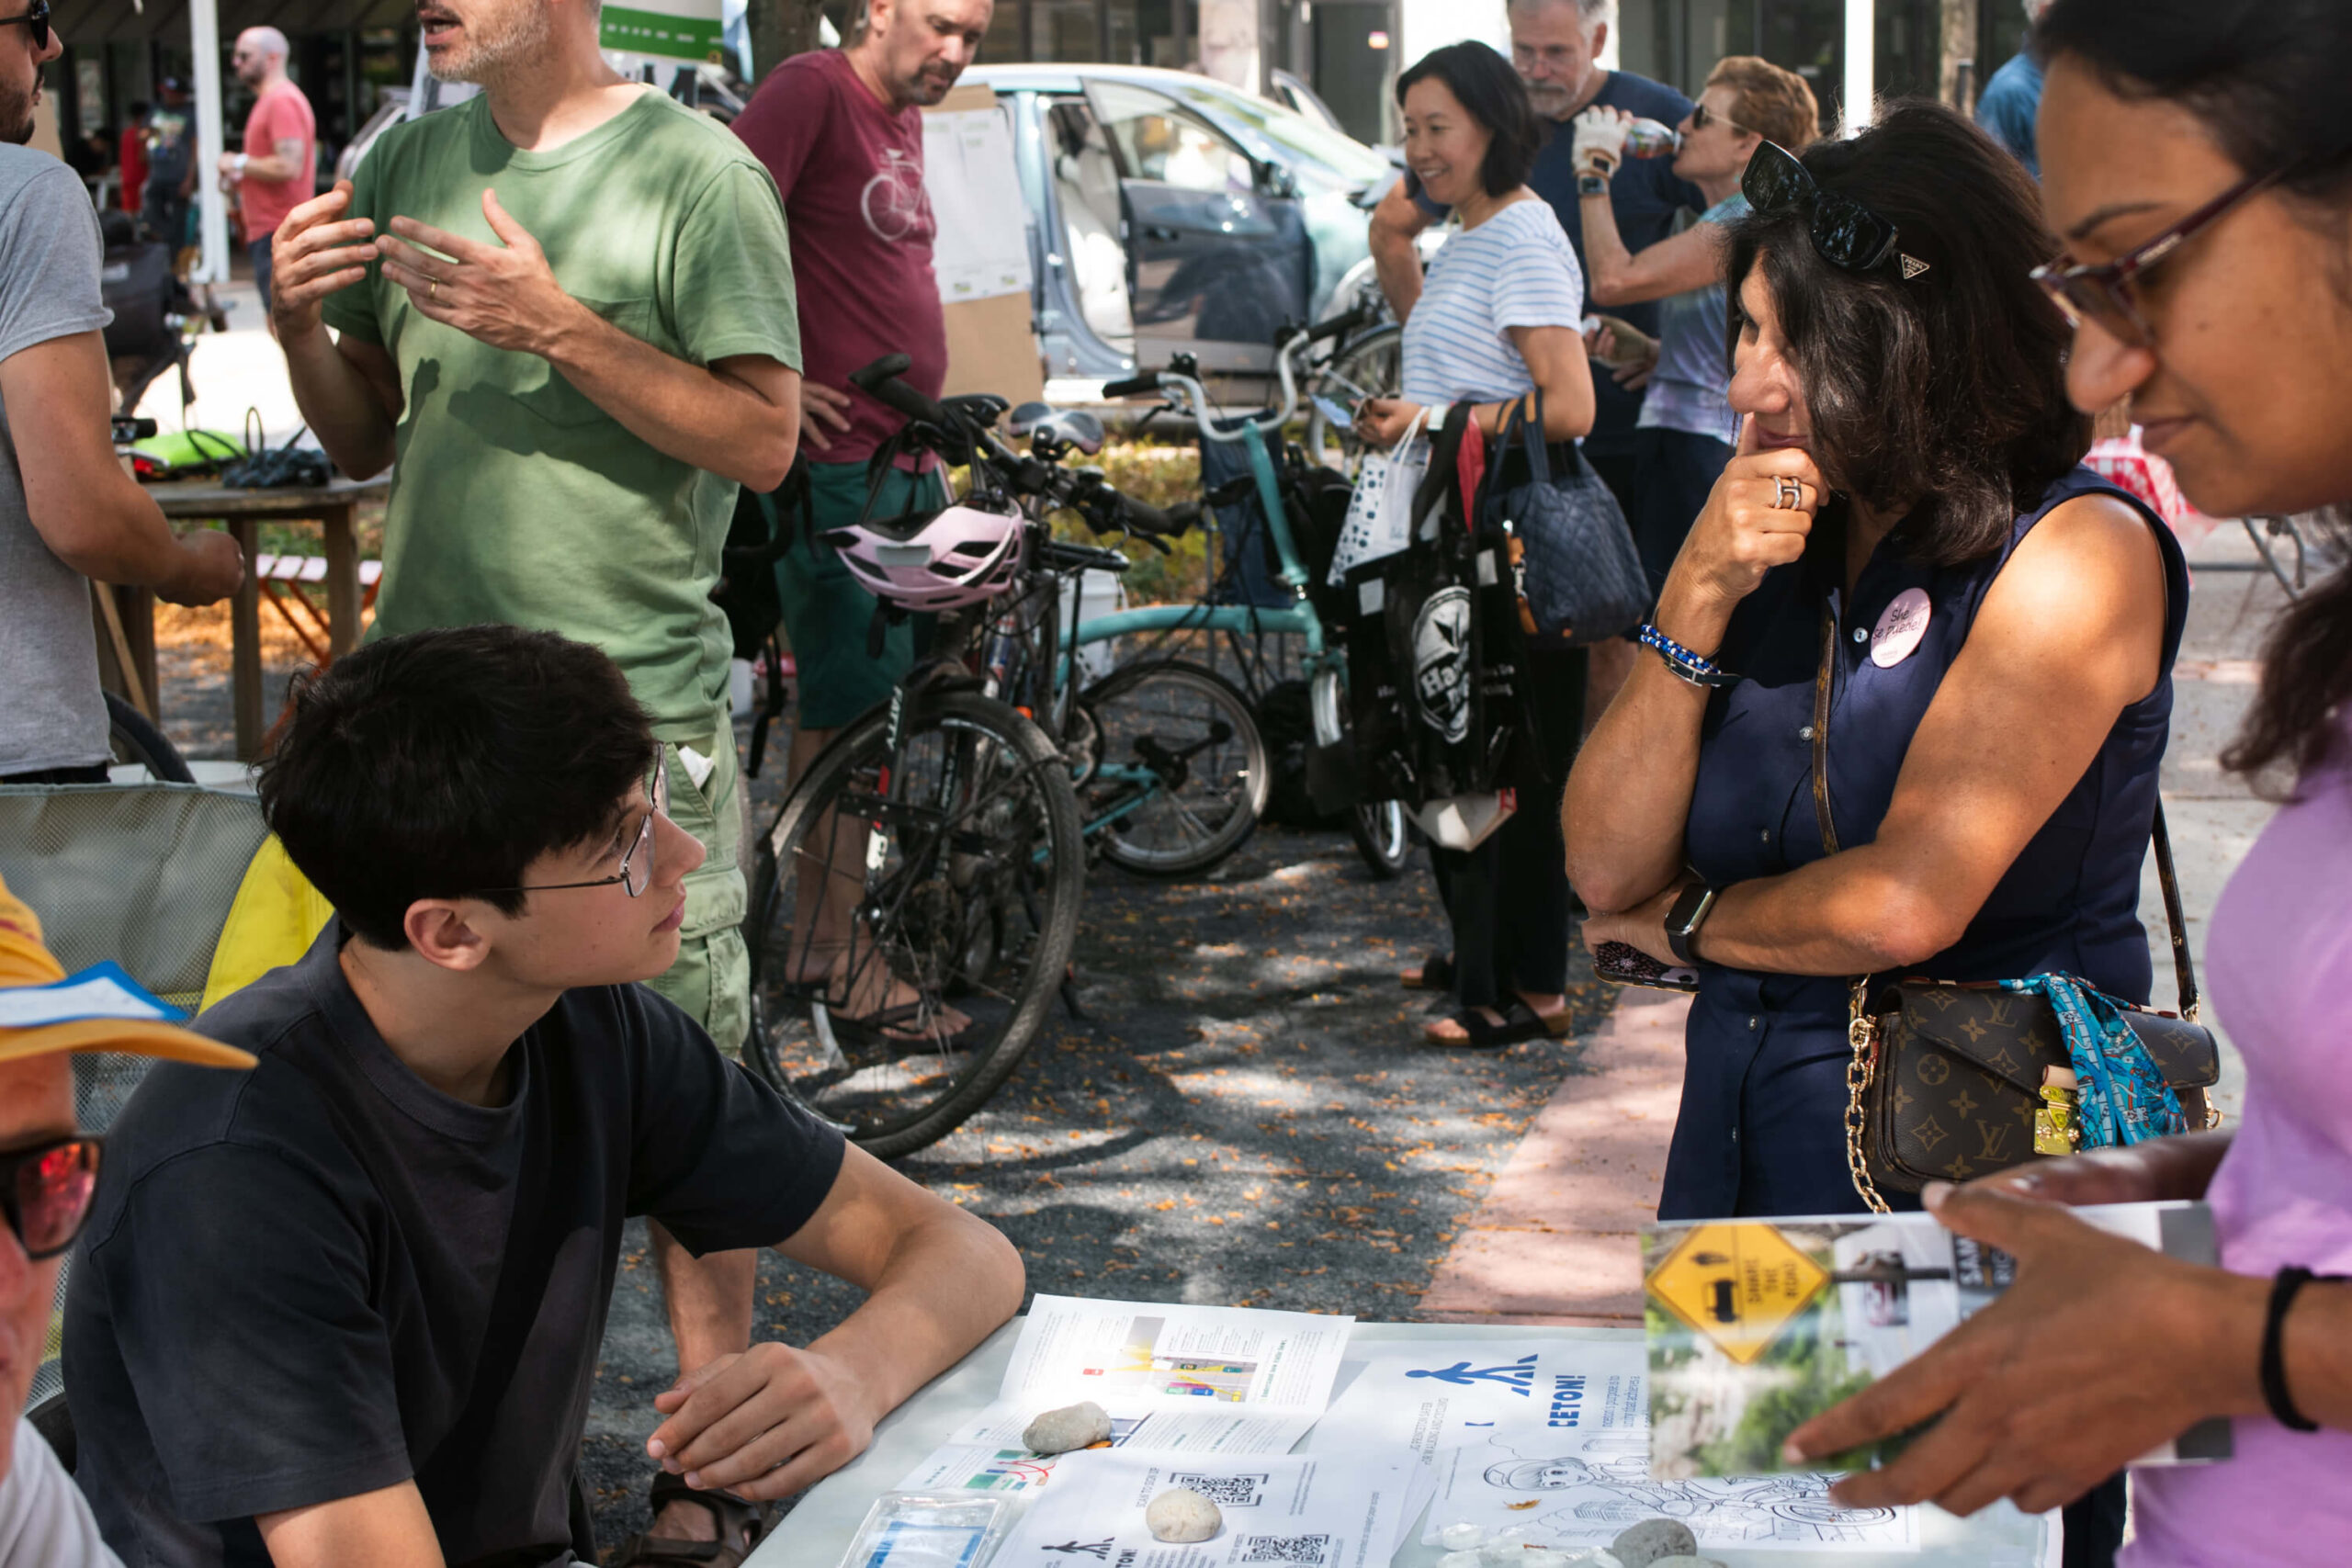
x=325, y=1277
x=1645, y=195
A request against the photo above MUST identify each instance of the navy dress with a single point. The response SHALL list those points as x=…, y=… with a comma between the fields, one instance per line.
x=1762, y=1125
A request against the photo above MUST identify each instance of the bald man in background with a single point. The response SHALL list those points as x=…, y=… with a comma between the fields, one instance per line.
x=277, y=170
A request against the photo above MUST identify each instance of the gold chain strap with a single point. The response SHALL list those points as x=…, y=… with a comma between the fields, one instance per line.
x=1861, y=1034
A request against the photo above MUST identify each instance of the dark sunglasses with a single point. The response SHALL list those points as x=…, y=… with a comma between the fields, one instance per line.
x=45, y=1192
x=1847, y=233
x=36, y=22
x=1701, y=119
x=2104, y=293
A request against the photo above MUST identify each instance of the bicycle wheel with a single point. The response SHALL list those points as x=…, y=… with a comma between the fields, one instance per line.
x=888, y=911
x=1369, y=366
x=135, y=742
x=1378, y=829
x=1377, y=826
x=1180, y=775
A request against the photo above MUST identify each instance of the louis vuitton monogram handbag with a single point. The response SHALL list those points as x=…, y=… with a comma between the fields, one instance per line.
x=1947, y=1079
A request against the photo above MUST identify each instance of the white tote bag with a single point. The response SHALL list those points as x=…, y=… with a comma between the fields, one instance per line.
x=1380, y=514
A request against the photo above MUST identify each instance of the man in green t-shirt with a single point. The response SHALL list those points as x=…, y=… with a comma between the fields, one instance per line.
x=565, y=311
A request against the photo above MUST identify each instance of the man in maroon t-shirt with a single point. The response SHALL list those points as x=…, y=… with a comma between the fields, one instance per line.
x=842, y=132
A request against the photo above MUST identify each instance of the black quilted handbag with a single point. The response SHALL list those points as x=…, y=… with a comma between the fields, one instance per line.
x=1946, y=1077
x=1581, y=577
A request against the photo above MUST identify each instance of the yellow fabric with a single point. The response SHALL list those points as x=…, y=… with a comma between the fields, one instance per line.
x=275, y=918
x=24, y=960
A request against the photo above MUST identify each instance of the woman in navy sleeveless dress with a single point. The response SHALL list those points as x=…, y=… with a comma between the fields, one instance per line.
x=2000, y=625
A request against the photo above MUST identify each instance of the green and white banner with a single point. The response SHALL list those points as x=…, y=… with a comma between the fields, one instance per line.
x=664, y=29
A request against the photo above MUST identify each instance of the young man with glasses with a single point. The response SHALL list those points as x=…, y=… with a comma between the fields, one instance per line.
x=352, y=1313
x=49, y=1172
x=70, y=513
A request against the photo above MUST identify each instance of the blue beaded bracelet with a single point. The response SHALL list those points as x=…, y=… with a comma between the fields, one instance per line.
x=1686, y=665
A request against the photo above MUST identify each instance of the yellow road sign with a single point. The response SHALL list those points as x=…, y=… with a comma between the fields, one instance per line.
x=1737, y=1284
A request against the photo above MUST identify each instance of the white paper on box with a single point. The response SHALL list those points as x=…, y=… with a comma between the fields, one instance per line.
x=982, y=245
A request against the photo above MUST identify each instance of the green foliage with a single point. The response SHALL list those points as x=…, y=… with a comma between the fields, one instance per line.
x=1814, y=1375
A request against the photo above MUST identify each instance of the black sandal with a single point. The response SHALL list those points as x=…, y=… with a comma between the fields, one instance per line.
x=1519, y=1022
x=743, y=1525
x=1437, y=973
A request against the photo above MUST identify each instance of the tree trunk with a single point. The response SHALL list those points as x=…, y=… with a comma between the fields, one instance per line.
x=781, y=28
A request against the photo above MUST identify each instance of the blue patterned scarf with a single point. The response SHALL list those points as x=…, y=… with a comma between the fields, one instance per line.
x=2123, y=1098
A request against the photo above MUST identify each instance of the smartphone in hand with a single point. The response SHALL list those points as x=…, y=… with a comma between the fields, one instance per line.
x=1629, y=966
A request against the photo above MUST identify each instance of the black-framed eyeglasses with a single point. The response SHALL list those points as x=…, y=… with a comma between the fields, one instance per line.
x=45, y=1192
x=2103, y=293
x=1847, y=233
x=636, y=873
x=36, y=22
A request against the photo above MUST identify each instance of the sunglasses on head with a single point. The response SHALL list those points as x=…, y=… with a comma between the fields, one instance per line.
x=2104, y=293
x=36, y=22
x=1847, y=234
x=45, y=1192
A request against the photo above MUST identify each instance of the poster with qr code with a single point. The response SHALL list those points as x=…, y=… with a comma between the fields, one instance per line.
x=1175, y=1381
x=1286, y=1511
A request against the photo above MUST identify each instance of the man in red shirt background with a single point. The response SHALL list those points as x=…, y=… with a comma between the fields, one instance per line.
x=132, y=158
x=277, y=170
x=842, y=133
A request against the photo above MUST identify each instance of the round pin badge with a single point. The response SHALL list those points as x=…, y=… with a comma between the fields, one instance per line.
x=1900, y=629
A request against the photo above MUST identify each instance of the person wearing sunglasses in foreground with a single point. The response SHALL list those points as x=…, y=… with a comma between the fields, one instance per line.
x=1684, y=434
x=1906, y=551
x=48, y=1173
x=347, y=1309
x=2198, y=161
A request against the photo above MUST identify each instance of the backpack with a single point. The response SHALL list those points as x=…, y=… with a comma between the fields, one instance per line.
x=763, y=528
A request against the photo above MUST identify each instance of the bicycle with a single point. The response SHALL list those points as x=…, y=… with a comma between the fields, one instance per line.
x=1165, y=753
x=1378, y=827
x=915, y=901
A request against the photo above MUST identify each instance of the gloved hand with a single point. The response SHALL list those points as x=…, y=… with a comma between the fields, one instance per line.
x=1599, y=144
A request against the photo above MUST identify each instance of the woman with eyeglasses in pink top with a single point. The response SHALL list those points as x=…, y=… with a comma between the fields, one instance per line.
x=2197, y=159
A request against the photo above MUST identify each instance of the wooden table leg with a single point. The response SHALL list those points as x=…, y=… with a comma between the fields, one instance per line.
x=342, y=582
x=244, y=644
x=138, y=606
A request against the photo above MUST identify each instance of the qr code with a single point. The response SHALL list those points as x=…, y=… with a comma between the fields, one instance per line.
x=1313, y=1550
x=1227, y=1490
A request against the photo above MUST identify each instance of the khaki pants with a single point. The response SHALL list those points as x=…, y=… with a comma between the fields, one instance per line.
x=712, y=978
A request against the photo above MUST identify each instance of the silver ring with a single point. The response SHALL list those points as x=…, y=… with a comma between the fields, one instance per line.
x=1790, y=495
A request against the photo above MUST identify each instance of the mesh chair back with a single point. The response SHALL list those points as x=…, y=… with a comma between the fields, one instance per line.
x=141, y=874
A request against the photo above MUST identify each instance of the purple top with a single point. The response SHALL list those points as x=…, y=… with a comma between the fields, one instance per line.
x=2281, y=962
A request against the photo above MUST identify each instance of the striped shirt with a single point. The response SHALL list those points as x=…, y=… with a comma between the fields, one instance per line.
x=1514, y=270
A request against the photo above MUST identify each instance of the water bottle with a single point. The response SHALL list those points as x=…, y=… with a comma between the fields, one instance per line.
x=1648, y=139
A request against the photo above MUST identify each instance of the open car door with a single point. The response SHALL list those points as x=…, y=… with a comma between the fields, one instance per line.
x=1217, y=251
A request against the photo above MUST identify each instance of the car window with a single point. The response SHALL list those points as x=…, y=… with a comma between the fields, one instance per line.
x=1294, y=139
x=1158, y=140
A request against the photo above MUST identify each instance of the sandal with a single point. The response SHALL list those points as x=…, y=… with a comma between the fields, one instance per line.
x=1437, y=973
x=1519, y=1022
x=743, y=1525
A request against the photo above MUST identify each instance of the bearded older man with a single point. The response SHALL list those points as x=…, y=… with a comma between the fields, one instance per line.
x=566, y=307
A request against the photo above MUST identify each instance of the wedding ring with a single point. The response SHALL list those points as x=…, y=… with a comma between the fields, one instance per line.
x=433, y=288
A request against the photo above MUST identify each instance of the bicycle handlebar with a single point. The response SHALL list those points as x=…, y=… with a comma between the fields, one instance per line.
x=1188, y=392
x=880, y=381
x=1132, y=386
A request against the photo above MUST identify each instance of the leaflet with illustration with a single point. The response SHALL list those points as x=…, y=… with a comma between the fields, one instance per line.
x=1293, y=1510
x=1551, y=1442
x=1755, y=1326
x=1175, y=1379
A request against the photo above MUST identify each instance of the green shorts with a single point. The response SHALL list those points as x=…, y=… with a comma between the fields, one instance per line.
x=827, y=612
x=712, y=978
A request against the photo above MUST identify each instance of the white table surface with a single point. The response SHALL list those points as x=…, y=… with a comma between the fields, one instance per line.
x=817, y=1533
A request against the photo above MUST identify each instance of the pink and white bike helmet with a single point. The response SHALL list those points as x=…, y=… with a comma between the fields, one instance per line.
x=943, y=560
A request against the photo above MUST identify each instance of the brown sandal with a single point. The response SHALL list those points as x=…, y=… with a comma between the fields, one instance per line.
x=743, y=1525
